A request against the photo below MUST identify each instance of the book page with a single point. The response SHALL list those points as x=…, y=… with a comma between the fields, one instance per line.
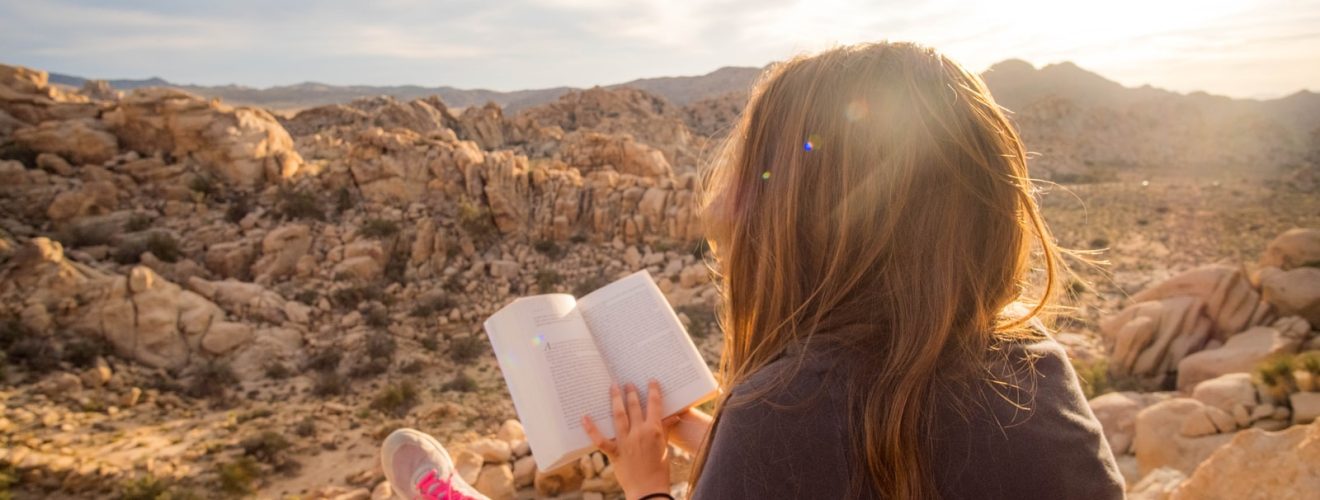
x=640, y=338
x=554, y=373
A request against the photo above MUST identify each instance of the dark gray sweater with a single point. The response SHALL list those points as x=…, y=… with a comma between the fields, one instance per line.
x=795, y=441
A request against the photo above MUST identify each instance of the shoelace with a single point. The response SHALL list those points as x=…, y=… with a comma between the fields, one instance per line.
x=433, y=488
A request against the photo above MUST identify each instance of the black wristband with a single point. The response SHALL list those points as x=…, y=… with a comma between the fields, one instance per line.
x=657, y=495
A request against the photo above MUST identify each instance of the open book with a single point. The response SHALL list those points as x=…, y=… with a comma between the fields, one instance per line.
x=560, y=355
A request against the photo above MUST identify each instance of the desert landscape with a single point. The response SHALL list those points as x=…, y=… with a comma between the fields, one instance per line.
x=211, y=292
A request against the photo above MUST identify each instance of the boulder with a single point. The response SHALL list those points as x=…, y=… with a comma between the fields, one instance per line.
x=242, y=146
x=231, y=259
x=1294, y=248
x=92, y=198
x=1258, y=464
x=1157, y=485
x=1159, y=439
x=559, y=481
x=492, y=450
x=280, y=251
x=511, y=431
x=79, y=141
x=468, y=464
x=496, y=482
x=1150, y=338
x=1241, y=354
x=1293, y=292
x=1117, y=413
x=524, y=472
x=1305, y=407
x=1227, y=392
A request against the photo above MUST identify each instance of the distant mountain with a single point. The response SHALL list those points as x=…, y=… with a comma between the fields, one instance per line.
x=678, y=90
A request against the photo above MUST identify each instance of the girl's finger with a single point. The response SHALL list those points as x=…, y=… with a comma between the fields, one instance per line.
x=635, y=415
x=618, y=412
x=606, y=445
x=653, y=402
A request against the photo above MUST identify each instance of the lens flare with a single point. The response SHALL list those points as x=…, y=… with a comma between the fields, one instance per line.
x=813, y=141
x=856, y=110
x=765, y=176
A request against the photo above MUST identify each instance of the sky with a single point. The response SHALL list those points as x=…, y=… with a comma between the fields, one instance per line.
x=1240, y=48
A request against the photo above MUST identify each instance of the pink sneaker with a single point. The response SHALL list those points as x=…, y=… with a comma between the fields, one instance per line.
x=418, y=467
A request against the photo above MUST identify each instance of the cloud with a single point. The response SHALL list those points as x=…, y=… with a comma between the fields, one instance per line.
x=1180, y=44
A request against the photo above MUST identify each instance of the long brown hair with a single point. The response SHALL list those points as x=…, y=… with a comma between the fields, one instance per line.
x=876, y=185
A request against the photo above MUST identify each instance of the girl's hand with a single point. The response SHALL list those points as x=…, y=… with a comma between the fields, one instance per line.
x=639, y=451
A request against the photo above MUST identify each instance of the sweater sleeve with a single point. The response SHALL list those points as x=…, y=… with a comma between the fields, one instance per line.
x=784, y=444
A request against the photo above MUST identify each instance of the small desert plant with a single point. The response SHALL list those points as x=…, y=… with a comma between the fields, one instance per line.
x=460, y=383
x=396, y=400
x=430, y=342
x=330, y=383
x=590, y=284
x=476, y=221
x=146, y=487
x=325, y=360
x=267, y=447
x=465, y=349
x=548, y=248
x=138, y=222
x=344, y=200
x=238, y=208
x=351, y=296
x=307, y=297
x=238, y=477
x=381, y=345
x=86, y=235
x=431, y=307
x=546, y=279
x=1099, y=243
x=299, y=204
x=278, y=371
x=701, y=320
x=82, y=352
x=412, y=367
x=378, y=229
x=212, y=379
x=397, y=267
x=164, y=247
x=377, y=317
x=36, y=352
x=1093, y=377
x=306, y=427
x=203, y=185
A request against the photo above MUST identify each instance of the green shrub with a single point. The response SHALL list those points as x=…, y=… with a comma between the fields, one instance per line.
x=299, y=204
x=1093, y=377
x=590, y=284
x=238, y=208
x=38, y=353
x=396, y=400
x=548, y=248
x=381, y=345
x=306, y=427
x=267, y=447
x=82, y=352
x=377, y=317
x=352, y=296
x=465, y=349
x=238, y=477
x=164, y=247
x=412, y=367
x=330, y=383
x=203, y=185
x=476, y=222
x=460, y=383
x=546, y=279
x=344, y=200
x=431, y=342
x=138, y=222
x=378, y=229
x=307, y=297
x=701, y=320
x=277, y=371
x=428, y=308
x=145, y=487
x=369, y=368
x=325, y=360
x=86, y=235
x=212, y=379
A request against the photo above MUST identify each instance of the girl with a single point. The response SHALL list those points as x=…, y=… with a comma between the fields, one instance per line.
x=875, y=228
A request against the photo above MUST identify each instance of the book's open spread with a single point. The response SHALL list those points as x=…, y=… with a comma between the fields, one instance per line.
x=559, y=356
